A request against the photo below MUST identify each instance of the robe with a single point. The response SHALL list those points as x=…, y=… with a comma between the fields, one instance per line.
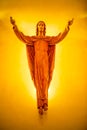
x=41, y=58
x=42, y=64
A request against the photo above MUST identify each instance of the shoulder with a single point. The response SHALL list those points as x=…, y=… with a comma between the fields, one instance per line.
x=48, y=38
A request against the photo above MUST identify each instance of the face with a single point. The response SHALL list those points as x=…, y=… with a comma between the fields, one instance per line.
x=41, y=26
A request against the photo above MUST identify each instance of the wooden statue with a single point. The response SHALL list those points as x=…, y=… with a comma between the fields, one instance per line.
x=41, y=57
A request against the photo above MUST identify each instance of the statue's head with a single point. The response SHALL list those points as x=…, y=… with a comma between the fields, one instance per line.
x=40, y=27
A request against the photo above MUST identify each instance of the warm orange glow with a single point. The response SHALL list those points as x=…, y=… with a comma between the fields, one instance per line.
x=30, y=28
x=26, y=77
x=67, y=92
x=25, y=73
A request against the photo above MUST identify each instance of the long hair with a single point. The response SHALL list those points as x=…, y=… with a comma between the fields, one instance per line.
x=44, y=28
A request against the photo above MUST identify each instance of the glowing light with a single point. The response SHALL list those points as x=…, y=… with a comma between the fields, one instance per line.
x=26, y=77
x=29, y=29
x=25, y=73
x=52, y=30
x=51, y=92
x=25, y=69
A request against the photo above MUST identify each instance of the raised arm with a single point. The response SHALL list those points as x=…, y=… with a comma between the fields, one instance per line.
x=61, y=36
x=26, y=39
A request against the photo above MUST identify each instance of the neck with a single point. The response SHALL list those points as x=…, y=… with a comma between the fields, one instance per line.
x=40, y=33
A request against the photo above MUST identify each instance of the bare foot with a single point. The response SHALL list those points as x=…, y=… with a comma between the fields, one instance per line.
x=41, y=111
x=45, y=107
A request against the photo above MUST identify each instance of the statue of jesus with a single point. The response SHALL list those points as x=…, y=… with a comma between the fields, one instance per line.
x=41, y=56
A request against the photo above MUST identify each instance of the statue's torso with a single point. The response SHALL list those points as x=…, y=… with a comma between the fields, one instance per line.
x=40, y=45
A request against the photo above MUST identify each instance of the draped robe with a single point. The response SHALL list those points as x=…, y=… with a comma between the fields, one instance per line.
x=41, y=58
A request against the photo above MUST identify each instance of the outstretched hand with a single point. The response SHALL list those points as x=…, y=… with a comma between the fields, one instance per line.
x=12, y=21
x=70, y=22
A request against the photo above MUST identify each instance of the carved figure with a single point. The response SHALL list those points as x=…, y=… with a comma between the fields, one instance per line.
x=41, y=58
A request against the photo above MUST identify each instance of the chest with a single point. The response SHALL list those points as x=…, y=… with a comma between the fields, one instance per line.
x=41, y=45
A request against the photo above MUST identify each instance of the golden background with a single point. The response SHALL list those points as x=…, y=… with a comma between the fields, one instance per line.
x=68, y=89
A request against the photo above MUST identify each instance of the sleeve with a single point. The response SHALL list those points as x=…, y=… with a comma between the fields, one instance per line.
x=59, y=37
x=26, y=39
